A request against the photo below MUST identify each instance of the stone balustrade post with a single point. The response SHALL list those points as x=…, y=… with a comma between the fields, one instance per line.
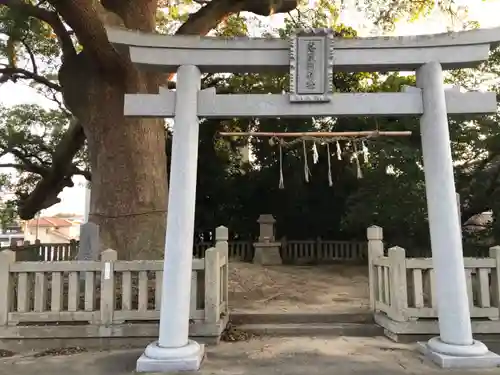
x=108, y=257
x=221, y=234
x=375, y=250
x=7, y=258
x=398, y=287
x=495, y=276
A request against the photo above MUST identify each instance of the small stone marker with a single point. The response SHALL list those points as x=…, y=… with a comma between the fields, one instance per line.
x=267, y=249
x=89, y=242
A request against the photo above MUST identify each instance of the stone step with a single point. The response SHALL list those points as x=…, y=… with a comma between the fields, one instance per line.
x=239, y=318
x=314, y=329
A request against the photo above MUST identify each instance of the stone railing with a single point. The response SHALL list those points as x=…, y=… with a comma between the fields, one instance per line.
x=38, y=251
x=269, y=250
x=106, y=298
x=266, y=250
x=402, y=290
x=298, y=251
x=241, y=250
x=318, y=251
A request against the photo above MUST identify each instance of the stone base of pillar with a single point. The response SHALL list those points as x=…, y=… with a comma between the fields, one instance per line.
x=267, y=253
x=473, y=356
x=158, y=359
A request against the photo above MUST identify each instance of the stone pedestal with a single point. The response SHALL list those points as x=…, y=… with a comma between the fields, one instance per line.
x=267, y=253
x=158, y=359
x=475, y=356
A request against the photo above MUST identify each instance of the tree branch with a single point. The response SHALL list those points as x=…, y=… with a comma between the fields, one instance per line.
x=25, y=165
x=51, y=18
x=58, y=177
x=210, y=15
x=22, y=167
x=13, y=74
x=28, y=166
x=31, y=55
x=89, y=27
x=269, y=7
x=12, y=165
x=79, y=172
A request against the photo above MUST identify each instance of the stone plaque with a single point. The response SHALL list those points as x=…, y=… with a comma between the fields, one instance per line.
x=311, y=64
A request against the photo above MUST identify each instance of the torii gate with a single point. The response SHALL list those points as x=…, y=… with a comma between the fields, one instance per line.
x=311, y=57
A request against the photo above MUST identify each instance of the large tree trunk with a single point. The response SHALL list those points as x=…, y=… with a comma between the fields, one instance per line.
x=127, y=157
x=129, y=179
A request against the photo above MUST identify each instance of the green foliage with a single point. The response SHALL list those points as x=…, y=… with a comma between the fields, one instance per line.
x=234, y=25
x=27, y=42
x=171, y=16
x=28, y=136
x=8, y=214
x=386, y=13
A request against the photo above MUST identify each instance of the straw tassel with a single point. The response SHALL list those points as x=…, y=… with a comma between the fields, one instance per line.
x=281, y=184
x=330, y=180
x=339, y=151
x=315, y=153
x=307, y=172
x=359, y=174
x=365, y=151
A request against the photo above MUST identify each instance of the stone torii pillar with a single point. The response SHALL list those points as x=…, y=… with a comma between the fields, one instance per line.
x=174, y=351
x=455, y=346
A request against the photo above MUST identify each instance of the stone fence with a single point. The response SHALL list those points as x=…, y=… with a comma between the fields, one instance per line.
x=402, y=290
x=266, y=249
x=105, y=299
x=38, y=251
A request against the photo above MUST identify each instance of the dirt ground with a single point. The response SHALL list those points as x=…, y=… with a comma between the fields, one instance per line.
x=263, y=356
x=335, y=289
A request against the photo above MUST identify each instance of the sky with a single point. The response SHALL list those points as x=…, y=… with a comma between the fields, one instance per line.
x=486, y=12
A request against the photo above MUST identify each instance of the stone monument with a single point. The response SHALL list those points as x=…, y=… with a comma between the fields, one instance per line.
x=267, y=249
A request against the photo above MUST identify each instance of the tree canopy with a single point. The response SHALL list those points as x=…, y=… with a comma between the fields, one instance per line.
x=61, y=50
